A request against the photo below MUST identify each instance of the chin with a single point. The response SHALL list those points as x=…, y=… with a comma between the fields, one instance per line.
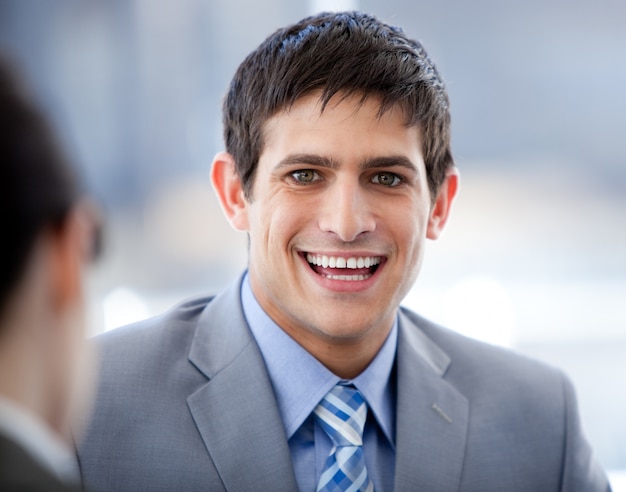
x=340, y=328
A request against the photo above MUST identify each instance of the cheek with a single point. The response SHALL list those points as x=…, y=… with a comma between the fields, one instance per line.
x=83, y=387
x=273, y=225
x=409, y=227
x=68, y=368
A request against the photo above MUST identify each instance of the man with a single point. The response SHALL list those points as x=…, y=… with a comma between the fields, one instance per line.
x=46, y=240
x=338, y=168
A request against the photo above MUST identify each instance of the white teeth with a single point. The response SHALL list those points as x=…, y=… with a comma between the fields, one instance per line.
x=349, y=278
x=352, y=262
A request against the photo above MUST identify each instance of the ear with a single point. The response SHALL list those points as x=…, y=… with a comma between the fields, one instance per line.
x=229, y=190
x=71, y=249
x=440, y=210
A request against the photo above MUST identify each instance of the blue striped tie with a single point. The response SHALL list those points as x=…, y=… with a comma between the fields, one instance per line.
x=342, y=415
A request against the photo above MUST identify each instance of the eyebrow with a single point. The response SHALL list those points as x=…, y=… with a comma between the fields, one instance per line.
x=307, y=159
x=370, y=163
x=389, y=161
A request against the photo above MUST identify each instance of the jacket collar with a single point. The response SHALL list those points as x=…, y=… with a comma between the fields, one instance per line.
x=238, y=396
x=432, y=416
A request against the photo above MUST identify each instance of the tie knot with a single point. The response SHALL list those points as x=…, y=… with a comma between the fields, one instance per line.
x=342, y=413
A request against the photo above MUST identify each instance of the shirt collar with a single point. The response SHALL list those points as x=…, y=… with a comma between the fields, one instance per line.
x=300, y=381
x=24, y=428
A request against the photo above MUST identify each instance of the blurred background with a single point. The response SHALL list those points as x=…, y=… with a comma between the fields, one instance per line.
x=535, y=254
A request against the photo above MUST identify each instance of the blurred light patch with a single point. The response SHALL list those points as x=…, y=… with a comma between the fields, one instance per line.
x=480, y=307
x=185, y=224
x=121, y=307
x=618, y=480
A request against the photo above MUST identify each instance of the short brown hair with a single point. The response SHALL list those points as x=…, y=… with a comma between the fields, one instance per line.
x=347, y=53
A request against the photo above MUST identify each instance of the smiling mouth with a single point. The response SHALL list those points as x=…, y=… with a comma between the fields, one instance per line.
x=350, y=269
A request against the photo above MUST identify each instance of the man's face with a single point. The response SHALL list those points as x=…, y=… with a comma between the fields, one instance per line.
x=337, y=219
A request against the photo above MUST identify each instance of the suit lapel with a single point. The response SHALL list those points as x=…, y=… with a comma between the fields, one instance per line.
x=236, y=412
x=432, y=416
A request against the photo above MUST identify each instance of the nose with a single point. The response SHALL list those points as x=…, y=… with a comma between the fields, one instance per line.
x=347, y=211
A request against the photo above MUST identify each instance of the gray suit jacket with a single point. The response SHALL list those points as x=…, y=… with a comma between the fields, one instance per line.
x=185, y=403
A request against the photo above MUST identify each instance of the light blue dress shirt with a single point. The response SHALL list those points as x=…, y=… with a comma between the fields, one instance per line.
x=300, y=382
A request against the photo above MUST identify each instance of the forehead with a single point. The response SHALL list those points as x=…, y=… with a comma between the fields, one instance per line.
x=345, y=121
x=319, y=102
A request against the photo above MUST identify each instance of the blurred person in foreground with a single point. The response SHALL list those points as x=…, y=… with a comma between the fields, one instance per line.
x=47, y=239
x=306, y=374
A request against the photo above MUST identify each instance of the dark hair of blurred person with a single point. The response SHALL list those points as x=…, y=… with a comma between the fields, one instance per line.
x=48, y=236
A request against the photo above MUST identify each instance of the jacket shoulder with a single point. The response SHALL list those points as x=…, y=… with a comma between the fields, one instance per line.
x=518, y=404
x=476, y=366
x=169, y=329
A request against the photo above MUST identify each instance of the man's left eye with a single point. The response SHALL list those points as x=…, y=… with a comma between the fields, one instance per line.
x=387, y=179
x=305, y=176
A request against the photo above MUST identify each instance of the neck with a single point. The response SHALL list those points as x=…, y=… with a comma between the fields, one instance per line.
x=20, y=379
x=346, y=358
x=26, y=373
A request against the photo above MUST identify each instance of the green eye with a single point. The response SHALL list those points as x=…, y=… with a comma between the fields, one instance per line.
x=387, y=179
x=305, y=176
